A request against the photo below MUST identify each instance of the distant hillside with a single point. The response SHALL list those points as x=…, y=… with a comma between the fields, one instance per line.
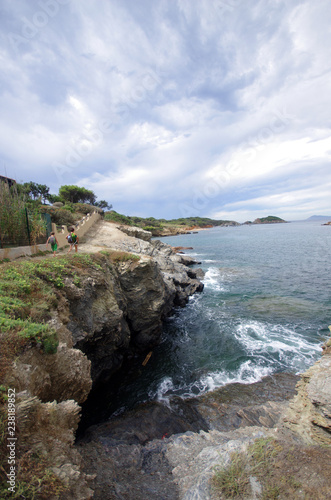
x=164, y=227
x=271, y=219
x=319, y=218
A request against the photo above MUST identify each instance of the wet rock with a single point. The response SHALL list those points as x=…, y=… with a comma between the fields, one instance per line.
x=241, y=405
x=183, y=442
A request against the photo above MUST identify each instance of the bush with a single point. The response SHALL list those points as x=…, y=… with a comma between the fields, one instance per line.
x=115, y=217
x=62, y=217
x=83, y=208
x=70, y=208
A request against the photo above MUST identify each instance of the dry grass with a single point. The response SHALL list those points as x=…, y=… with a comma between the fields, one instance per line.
x=284, y=469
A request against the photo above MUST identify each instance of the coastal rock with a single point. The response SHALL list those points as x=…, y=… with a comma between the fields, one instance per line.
x=48, y=429
x=148, y=301
x=143, y=458
x=97, y=320
x=117, y=311
x=136, y=232
x=309, y=413
x=104, y=314
x=179, y=445
x=61, y=376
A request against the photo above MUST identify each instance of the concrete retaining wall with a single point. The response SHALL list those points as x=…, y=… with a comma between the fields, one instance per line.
x=81, y=228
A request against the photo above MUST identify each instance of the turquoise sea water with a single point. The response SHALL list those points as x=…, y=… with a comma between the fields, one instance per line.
x=265, y=308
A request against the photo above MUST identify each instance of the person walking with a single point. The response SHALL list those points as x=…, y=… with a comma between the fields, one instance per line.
x=53, y=242
x=72, y=239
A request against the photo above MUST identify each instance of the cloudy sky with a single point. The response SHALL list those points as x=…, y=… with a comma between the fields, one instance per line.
x=171, y=108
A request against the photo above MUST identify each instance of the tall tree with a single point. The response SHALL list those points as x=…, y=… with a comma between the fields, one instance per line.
x=43, y=191
x=76, y=194
x=103, y=204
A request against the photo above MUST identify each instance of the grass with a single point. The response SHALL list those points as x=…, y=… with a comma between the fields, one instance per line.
x=233, y=480
x=34, y=479
x=29, y=291
x=118, y=256
x=261, y=460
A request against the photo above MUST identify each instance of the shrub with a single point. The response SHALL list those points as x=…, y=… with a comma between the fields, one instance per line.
x=84, y=208
x=115, y=217
x=62, y=217
x=70, y=208
x=118, y=256
x=20, y=221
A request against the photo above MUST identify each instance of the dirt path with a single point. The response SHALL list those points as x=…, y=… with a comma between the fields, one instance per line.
x=102, y=235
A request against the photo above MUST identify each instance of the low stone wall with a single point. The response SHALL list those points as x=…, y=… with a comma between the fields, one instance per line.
x=81, y=227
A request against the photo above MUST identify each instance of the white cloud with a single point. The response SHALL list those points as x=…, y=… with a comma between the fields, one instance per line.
x=193, y=93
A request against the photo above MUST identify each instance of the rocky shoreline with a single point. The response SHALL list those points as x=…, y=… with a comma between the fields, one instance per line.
x=113, y=316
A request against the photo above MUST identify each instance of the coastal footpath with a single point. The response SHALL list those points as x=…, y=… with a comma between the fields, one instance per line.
x=110, y=311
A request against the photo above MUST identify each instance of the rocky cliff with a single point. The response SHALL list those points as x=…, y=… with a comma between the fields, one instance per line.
x=270, y=442
x=104, y=313
x=113, y=310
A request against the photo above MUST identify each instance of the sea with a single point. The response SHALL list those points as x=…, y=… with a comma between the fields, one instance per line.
x=265, y=309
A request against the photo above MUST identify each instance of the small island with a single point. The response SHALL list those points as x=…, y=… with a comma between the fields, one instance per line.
x=271, y=219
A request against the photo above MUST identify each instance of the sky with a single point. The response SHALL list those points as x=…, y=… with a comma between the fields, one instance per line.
x=171, y=108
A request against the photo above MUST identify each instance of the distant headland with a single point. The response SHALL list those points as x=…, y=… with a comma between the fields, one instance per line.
x=163, y=227
x=271, y=219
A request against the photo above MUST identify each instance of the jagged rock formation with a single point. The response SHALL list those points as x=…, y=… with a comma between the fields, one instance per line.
x=172, y=454
x=156, y=452
x=119, y=311
x=309, y=413
x=49, y=429
x=109, y=313
x=136, y=232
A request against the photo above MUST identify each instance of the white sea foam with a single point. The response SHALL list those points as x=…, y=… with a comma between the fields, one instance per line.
x=212, y=279
x=248, y=373
x=262, y=338
x=165, y=390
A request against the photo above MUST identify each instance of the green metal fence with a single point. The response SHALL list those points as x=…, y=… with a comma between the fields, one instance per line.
x=17, y=233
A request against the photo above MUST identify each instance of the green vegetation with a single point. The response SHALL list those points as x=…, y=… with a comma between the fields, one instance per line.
x=19, y=221
x=156, y=226
x=76, y=194
x=118, y=256
x=22, y=207
x=34, y=479
x=119, y=218
x=262, y=461
x=270, y=218
x=29, y=290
